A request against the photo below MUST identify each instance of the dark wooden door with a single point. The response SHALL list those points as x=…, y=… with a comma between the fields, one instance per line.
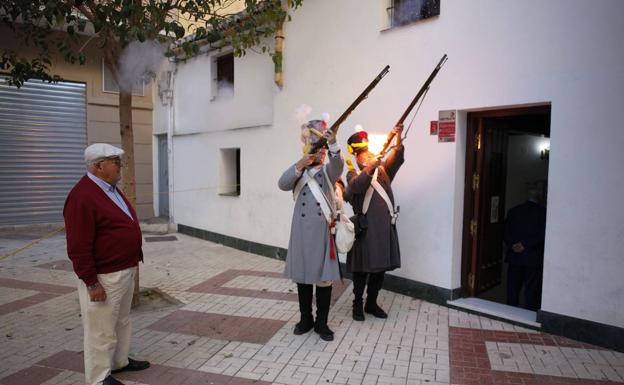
x=490, y=225
x=485, y=200
x=472, y=203
x=484, y=192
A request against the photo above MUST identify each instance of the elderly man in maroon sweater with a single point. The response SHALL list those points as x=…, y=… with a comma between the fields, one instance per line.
x=104, y=245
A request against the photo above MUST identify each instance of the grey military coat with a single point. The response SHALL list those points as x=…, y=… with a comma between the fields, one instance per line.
x=308, y=260
x=377, y=248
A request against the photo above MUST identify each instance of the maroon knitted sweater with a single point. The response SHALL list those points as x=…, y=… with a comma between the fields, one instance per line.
x=101, y=238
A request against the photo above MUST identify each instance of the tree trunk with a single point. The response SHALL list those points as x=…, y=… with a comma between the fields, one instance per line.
x=127, y=144
x=129, y=182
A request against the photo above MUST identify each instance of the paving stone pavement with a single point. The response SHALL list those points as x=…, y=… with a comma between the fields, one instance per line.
x=231, y=321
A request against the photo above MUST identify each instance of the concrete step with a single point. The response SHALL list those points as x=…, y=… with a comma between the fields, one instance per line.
x=498, y=310
x=157, y=226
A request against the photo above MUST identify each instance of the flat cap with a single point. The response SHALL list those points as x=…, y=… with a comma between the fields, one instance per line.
x=98, y=151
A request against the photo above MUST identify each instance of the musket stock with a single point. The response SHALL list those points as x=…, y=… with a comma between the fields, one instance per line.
x=334, y=127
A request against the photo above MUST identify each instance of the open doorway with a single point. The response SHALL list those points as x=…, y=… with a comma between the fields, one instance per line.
x=507, y=159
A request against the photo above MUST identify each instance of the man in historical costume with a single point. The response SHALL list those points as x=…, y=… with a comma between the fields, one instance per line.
x=376, y=247
x=104, y=244
x=525, y=229
x=312, y=258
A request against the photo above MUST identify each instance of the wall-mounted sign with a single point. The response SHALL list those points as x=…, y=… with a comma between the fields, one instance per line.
x=494, y=209
x=446, y=126
x=433, y=127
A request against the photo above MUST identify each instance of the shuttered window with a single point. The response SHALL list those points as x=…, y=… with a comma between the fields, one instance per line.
x=43, y=133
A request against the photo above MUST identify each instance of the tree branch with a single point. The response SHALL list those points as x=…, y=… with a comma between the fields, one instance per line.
x=87, y=13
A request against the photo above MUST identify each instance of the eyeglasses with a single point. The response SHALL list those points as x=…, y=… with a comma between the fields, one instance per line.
x=116, y=160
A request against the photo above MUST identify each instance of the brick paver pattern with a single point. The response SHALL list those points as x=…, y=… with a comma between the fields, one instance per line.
x=231, y=318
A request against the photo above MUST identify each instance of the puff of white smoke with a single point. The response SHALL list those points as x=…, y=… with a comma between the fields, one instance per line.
x=409, y=10
x=139, y=62
x=301, y=114
x=225, y=89
x=326, y=117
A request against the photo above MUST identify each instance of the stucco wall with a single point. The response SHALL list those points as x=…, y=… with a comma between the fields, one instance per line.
x=501, y=54
x=251, y=105
x=103, y=116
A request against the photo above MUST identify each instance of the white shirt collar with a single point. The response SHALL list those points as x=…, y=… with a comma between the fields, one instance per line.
x=102, y=183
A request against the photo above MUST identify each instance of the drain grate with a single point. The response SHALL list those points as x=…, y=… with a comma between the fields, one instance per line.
x=165, y=238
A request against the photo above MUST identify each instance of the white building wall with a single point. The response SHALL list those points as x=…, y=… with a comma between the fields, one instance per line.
x=199, y=110
x=501, y=54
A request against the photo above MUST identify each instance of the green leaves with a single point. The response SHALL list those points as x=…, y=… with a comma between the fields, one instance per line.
x=179, y=31
x=116, y=23
x=189, y=49
x=21, y=69
x=277, y=61
x=200, y=33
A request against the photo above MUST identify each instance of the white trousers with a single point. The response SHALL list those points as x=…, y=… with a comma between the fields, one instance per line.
x=107, y=327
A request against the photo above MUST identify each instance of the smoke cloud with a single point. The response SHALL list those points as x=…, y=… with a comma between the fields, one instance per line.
x=139, y=61
x=225, y=89
x=326, y=117
x=302, y=114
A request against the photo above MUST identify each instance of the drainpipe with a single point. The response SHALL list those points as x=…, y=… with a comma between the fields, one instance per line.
x=170, y=159
x=279, y=49
x=277, y=56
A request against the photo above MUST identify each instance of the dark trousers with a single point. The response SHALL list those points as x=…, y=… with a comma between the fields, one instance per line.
x=373, y=280
x=531, y=278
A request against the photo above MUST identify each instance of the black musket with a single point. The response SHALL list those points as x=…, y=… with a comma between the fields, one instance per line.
x=334, y=127
x=420, y=93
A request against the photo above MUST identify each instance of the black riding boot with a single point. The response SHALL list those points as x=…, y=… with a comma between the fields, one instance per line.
x=359, y=282
x=323, y=300
x=305, y=308
x=375, y=282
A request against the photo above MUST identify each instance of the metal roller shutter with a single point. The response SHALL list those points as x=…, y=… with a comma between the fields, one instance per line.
x=43, y=133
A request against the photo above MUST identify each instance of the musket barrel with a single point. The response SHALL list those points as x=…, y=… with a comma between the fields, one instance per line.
x=334, y=127
x=422, y=90
x=420, y=93
x=359, y=99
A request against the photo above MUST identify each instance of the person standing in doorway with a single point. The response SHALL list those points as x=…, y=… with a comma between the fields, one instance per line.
x=312, y=258
x=104, y=244
x=376, y=247
x=525, y=229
